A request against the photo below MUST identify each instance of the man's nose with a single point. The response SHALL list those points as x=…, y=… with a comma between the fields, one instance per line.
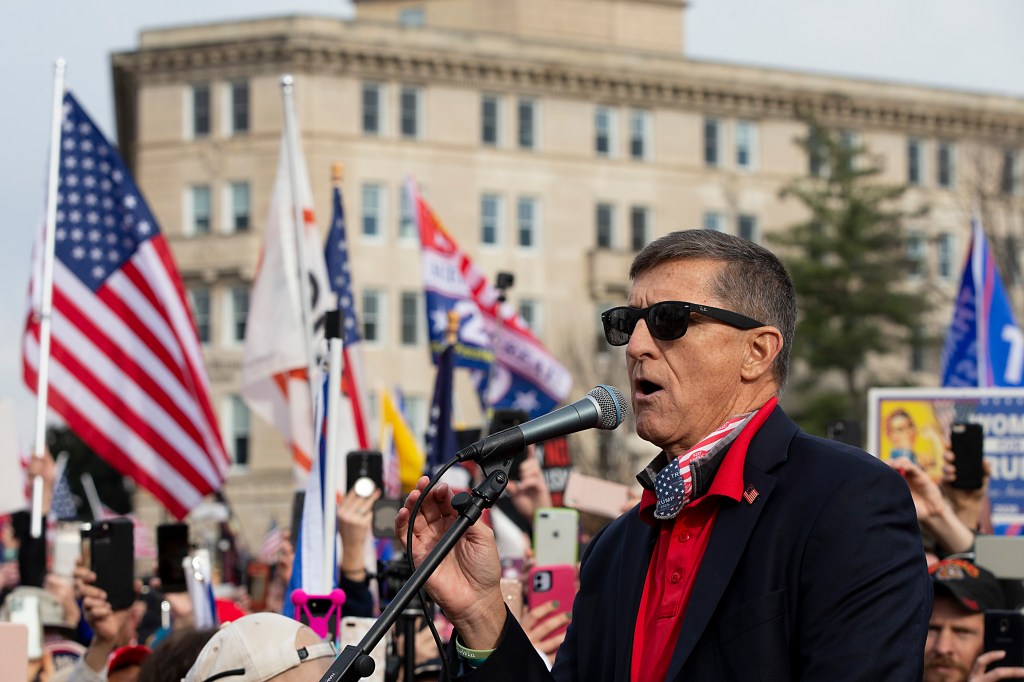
x=944, y=643
x=640, y=341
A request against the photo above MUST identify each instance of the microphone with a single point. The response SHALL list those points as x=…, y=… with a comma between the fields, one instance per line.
x=603, y=408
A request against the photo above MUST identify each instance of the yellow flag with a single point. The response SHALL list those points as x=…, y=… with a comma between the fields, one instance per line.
x=411, y=458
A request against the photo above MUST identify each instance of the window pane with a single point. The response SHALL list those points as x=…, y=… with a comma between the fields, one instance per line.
x=527, y=123
x=604, y=226
x=945, y=163
x=603, y=131
x=410, y=307
x=945, y=259
x=713, y=221
x=406, y=216
x=240, y=206
x=410, y=104
x=240, y=107
x=201, y=209
x=1008, y=180
x=200, y=110
x=638, y=218
x=239, y=431
x=638, y=128
x=529, y=310
x=239, y=311
x=200, y=300
x=489, y=114
x=371, y=316
x=916, y=253
x=371, y=108
x=913, y=162
x=711, y=142
x=489, y=216
x=745, y=136
x=527, y=218
x=372, y=207
x=747, y=227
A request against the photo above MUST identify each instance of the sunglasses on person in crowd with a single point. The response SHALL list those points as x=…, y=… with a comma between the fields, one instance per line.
x=666, y=320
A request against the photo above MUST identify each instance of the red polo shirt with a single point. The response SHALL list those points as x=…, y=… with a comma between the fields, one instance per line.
x=678, y=552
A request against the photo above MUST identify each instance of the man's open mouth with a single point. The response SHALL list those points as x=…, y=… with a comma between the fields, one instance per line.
x=646, y=387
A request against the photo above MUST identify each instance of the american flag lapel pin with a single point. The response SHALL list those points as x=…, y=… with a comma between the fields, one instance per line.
x=750, y=494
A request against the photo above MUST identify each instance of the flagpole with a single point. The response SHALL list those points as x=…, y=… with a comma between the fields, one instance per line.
x=334, y=344
x=291, y=141
x=46, y=301
x=981, y=324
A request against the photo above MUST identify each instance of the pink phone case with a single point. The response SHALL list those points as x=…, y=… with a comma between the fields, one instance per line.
x=323, y=624
x=552, y=583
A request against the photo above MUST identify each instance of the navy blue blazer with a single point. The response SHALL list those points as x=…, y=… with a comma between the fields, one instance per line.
x=822, y=577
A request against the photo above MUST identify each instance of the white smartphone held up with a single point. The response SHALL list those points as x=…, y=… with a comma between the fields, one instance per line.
x=556, y=536
x=67, y=547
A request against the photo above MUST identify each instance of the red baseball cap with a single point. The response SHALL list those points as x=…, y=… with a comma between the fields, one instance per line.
x=126, y=656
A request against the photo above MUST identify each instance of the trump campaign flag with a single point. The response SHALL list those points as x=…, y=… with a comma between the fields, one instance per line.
x=125, y=366
x=286, y=310
x=984, y=346
x=524, y=376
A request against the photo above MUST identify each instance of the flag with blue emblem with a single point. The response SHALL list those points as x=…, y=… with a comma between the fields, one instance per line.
x=521, y=373
x=984, y=346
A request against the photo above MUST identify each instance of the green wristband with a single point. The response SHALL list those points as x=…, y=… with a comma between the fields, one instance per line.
x=473, y=657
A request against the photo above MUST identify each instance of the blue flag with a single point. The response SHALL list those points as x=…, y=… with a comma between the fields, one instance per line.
x=984, y=346
x=440, y=436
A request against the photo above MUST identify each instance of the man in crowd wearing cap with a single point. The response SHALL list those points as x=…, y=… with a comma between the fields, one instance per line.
x=262, y=647
x=956, y=630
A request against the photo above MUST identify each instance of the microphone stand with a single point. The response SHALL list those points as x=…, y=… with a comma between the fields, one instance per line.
x=354, y=662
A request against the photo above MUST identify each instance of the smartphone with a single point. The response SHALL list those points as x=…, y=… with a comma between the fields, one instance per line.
x=112, y=559
x=552, y=583
x=364, y=464
x=967, y=442
x=353, y=629
x=298, y=501
x=24, y=610
x=512, y=593
x=506, y=418
x=555, y=536
x=385, y=510
x=67, y=547
x=595, y=495
x=1004, y=631
x=321, y=612
x=172, y=546
x=258, y=574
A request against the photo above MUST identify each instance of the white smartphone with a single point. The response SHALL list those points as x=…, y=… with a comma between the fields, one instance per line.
x=24, y=609
x=596, y=495
x=67, y=547
x=555, y=536
x=353, y=629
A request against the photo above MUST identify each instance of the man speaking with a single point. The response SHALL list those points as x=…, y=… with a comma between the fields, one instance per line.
x=758, y=552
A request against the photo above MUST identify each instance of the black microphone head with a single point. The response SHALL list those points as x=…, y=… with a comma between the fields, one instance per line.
x=611, y=404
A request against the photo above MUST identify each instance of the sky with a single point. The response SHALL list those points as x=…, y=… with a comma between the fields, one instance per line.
x=945, y=43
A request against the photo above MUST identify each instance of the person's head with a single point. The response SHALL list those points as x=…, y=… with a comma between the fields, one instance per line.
x=956, y=629
x=900, y=430
x=174, y=655
x=126, y=662
x=734, y=350
x=262, y=647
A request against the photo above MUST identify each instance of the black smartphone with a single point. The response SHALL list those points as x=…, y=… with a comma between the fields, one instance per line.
x=112, y=559
x=172, y=547
x=298, y=502
x=384, y=512
x=967, y=442
x=364, y=464
x=506, y=418
x=1004, y=631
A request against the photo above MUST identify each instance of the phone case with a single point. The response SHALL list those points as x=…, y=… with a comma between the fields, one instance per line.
x=353, y=629
x=595, y=495
x=364, y=464
x=172, y=545
x=67, y=547
x=1004, y=631
x=321, y=612
x=552, y=583
x=555, y=536
x=967, y=442
x=112, y=553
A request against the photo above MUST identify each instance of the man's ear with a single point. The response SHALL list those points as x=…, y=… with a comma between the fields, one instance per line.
x=763, y=345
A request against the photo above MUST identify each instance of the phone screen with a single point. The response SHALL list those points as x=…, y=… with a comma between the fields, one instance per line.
x=172, y=546
x=967, y=442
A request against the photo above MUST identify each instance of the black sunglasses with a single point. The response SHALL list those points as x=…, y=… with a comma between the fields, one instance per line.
x=666, y=320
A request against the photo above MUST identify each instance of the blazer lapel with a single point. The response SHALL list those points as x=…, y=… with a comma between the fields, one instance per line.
x=633, y=565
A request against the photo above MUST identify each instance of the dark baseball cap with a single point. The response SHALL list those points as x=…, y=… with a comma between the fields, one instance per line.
x=971, y=585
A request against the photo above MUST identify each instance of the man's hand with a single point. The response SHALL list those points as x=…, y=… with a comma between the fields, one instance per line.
x=355, y=519
x=111, y=628
x=933, y=511
x=978, y=673
x=465, y=584
x=64, y=592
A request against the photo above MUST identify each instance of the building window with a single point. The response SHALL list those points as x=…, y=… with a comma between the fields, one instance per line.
x=238, y=312
x=639, y=227
x=490, y=120
x=526, y=220
x=527, y=124
x=918, y=350
x=239, y=114
x=915, y=157
x=490, y=219
x=639, y=134
x=239, y=203
x=604, y=131
x=412, y=16
x=199, y=210
x=712, y=141
x=529, y=310
x=746, y=227
x=746, y=144
x=199, y=298
x=916, y=253
x=945, y=260
x=1009, y=180
x=373, y=109
x=604, y=223
x=373, y=211
x=410, y=318
x=817, y=153
x=409, y=123
x=200, y=110
x=372, y=316
x=945, y=171
x=850, y=141
x=714, y=221
x=407, y=228
x=1012, y=260
x=238, y=432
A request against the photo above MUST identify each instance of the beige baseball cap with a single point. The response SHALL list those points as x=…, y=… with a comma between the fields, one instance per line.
x=254, y=648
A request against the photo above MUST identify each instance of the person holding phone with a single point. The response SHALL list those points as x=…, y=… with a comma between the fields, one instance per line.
x=355, y=519
x=111, y=628
x=757, y=551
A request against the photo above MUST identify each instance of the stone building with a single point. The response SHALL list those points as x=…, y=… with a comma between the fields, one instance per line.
x=553, y=138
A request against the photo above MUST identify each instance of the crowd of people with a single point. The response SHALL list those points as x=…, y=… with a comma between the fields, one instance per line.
x=754, y=550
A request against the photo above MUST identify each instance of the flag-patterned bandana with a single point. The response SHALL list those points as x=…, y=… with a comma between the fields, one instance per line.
x=674, y=485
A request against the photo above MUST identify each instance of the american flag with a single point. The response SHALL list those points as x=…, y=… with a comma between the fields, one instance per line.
x=270, y=544
x=336, y=256
x=126, y=369
x=440, y=436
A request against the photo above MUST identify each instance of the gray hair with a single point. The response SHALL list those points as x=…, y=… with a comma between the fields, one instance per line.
x=754, y=282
